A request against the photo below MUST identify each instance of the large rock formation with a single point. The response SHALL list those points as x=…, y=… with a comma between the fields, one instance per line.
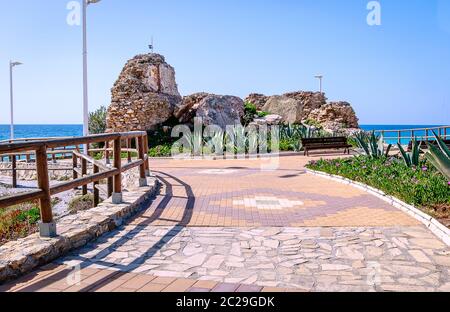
x=221, y=110
x=144, y=95
x=335, y=116
x=259, y=100
x=187, y=110
x=291, y=110
x=302, y=107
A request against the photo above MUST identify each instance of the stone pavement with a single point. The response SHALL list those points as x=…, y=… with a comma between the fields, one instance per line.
x=231, y=226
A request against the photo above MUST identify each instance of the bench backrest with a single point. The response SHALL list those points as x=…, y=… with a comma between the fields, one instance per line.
x=324, y=141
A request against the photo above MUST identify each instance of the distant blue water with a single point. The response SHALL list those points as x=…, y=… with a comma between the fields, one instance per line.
x=45, y=131
x=41, y=131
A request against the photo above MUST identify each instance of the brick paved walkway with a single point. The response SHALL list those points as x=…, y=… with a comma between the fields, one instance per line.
x=227, y=225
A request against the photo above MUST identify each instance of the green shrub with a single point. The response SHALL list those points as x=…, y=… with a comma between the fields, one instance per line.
x=422, y=186
x=81, y=203
x=262, y=114
x=97, y=121
x=249, y=113
x=161, y=151
x=18, y=221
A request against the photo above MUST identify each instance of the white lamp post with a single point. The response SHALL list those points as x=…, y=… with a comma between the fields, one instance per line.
x=85, y=74
x=320, y=77
x=11, y=90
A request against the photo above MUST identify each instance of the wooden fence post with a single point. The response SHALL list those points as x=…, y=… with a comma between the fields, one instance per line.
x=14, y=170
x=84, y=173
x=142, y=167
x=53, y=156
x=96, y=191
x=107, y=160
x=129, y=152
x=147, y=162
x=75, y=166
x=47, y=227
x=117, y=195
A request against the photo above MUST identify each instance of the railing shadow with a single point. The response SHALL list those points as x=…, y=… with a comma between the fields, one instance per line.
x=130, y=235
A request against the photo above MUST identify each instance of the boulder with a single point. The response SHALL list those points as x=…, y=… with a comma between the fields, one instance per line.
x=187, y=110
x=259, y=100
x=291, y=110
x=335, y=116
x=309, y=101
x=269, y=120
x=144, y=95
x=221, y=110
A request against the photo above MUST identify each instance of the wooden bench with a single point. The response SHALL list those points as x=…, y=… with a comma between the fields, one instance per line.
x=325, y=143
x=424, y=145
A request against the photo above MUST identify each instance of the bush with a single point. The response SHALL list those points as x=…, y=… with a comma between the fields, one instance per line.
x=81, y=203
x=97, y=121
x=249, y=113
x=18, y=221
x=161, y=151
x=422, y=186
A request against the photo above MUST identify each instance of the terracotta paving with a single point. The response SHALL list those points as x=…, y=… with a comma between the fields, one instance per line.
x=60, y=278
x=238, y=193
x=247, y=225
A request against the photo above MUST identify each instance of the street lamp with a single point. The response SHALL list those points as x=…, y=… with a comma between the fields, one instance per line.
x=11, y=90
x=85, y=75
x=320, y=77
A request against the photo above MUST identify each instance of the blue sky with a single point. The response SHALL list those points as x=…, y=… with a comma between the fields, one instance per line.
x=396, y=73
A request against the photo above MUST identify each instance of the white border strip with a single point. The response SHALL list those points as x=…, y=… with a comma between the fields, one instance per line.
x=434, y=225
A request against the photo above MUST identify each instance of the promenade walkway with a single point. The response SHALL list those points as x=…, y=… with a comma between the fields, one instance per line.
x=228, y=225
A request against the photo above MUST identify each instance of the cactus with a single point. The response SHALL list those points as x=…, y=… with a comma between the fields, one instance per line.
x=413, y=158
x=439, y=156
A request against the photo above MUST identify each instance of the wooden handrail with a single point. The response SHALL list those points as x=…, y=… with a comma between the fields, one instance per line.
x=81, y=178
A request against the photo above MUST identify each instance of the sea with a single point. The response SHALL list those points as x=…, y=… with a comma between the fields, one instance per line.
x=50, y=131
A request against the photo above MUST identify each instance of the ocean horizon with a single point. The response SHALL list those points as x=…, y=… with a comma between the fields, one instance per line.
x=73, y=130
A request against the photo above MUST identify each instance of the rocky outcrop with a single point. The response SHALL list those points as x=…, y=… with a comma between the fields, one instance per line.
x=300, y=107
x=221, y=110
x=309, y=101
x=188, y=108
x=291, y=110
x=269, y=120
x=144, y=95
x=335, y=116
x=259, y=100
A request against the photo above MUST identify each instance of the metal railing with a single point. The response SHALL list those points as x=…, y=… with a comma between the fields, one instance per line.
x=404, y=136
x=81, y=178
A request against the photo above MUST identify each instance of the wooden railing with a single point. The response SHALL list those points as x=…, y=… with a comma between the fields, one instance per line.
x=81, y=178
x=404, y=136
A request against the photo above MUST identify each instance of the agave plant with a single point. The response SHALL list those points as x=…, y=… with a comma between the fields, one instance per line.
x=439, y=156
x=372, y=145
x=413, y=158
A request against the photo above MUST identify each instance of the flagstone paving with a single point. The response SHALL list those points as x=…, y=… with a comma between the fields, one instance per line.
x=228, y=225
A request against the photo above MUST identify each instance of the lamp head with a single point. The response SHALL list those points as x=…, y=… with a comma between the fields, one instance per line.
x=92, y=1
x=13, y=64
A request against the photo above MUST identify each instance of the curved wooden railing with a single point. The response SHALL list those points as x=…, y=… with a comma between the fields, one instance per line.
x=81, y=178
x=403, y=136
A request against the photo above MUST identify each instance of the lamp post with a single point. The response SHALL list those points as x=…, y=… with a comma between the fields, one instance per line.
x=11, y=92
x=86, y=3
x=320, y=77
